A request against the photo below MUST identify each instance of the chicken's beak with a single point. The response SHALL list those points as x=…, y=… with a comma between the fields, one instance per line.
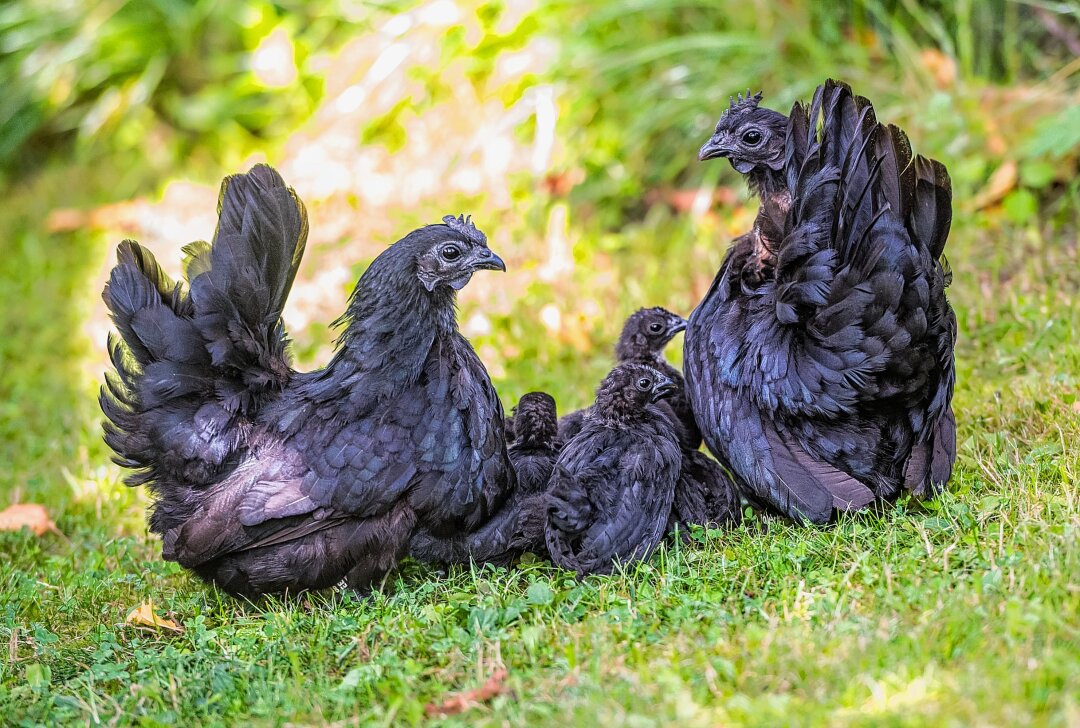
x=664, y=388
x=677, y=327
x=487, y=260
x=712, y=149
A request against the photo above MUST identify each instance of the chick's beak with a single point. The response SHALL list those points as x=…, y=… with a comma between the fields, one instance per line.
x=664, y=388
x=678, y=326
x=487, y=260
x=712, y=149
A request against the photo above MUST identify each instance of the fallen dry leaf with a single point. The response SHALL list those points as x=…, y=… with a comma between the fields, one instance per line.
x=460, y=702
x=27, y=515
x=1001, y=183
x=145, y=616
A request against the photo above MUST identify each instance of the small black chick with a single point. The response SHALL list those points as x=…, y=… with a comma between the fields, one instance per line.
x=518, y=526
x=642, y=341
x=611, y=493
x=266, y=479
x=704, y=496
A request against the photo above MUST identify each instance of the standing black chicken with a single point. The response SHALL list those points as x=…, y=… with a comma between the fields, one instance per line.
x=518, y=526
x=266, y=479
x=611, y=493
x=830, y=385
x=642, y=340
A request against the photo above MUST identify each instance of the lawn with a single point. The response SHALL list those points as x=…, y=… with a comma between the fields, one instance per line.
x=960, y=611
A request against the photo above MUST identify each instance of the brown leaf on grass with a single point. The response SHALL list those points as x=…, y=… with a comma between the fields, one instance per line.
x=145, y=616
x=27, y=515
x=1001, y=183
x=460, y=702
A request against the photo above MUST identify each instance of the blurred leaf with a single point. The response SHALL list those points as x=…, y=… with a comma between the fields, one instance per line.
x=145, y=616
x=30, y=516
x=1037, y=174
x=1020, y=206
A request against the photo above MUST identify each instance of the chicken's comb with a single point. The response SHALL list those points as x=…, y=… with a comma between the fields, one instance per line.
x=463, y=225
x=750, y=101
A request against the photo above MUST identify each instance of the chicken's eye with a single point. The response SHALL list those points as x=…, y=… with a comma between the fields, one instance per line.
x=644, y=384
x=656, y=327
x=752, y=137
x=450, y=252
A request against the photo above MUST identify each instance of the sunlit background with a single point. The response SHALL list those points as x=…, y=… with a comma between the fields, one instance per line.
x=568, y=130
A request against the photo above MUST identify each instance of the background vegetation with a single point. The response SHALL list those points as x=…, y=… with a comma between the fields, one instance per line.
x=570, y=131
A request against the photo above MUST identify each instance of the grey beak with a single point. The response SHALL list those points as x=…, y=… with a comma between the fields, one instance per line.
x=664, y=388
x=487, y=260
x=677, y=327
x=712, y=149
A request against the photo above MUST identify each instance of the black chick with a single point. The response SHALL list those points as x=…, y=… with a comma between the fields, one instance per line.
x=518, y=527
x=830, y=386
x=611, y=493
x=754, y=140
x=704, y=496
x=266, y=479
x=642, y=341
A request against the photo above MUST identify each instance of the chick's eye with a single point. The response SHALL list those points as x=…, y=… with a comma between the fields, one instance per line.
x=450, y=252
x=644, y=384
x=656, y=328
x=752, y=137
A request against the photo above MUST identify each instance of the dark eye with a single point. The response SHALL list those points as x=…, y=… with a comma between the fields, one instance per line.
x=644, y=384
x=450, y=252
x=656, y=327
x=752, y=137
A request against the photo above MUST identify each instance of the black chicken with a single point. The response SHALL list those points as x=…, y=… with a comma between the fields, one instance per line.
x=611, y=493
x=266, y=479
x=518, y=527
x=829, y=385
x=753, y=139
x=704, y=495
x=642, y=340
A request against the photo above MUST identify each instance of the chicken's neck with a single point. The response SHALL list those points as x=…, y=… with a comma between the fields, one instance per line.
x=391, y=325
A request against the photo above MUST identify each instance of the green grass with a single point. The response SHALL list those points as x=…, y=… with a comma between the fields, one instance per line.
x=961, y=611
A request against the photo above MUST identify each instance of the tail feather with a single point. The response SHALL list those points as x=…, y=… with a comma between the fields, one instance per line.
x=931, y=213
x=192, y=365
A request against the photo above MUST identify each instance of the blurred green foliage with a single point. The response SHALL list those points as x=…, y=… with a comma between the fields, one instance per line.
x=163, y=76
x=647, y=79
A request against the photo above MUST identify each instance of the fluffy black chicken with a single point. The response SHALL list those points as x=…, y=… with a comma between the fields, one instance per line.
x=642, y=340
x=518, y=527
x=829, y=385
x=266, y=479
x=611, y=493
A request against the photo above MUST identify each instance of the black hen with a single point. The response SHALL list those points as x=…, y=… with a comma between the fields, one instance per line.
x=611, y=493
x=754, y=140
x=266, y=479
x=830, y=385
x=642, y=341
x=518, y=526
